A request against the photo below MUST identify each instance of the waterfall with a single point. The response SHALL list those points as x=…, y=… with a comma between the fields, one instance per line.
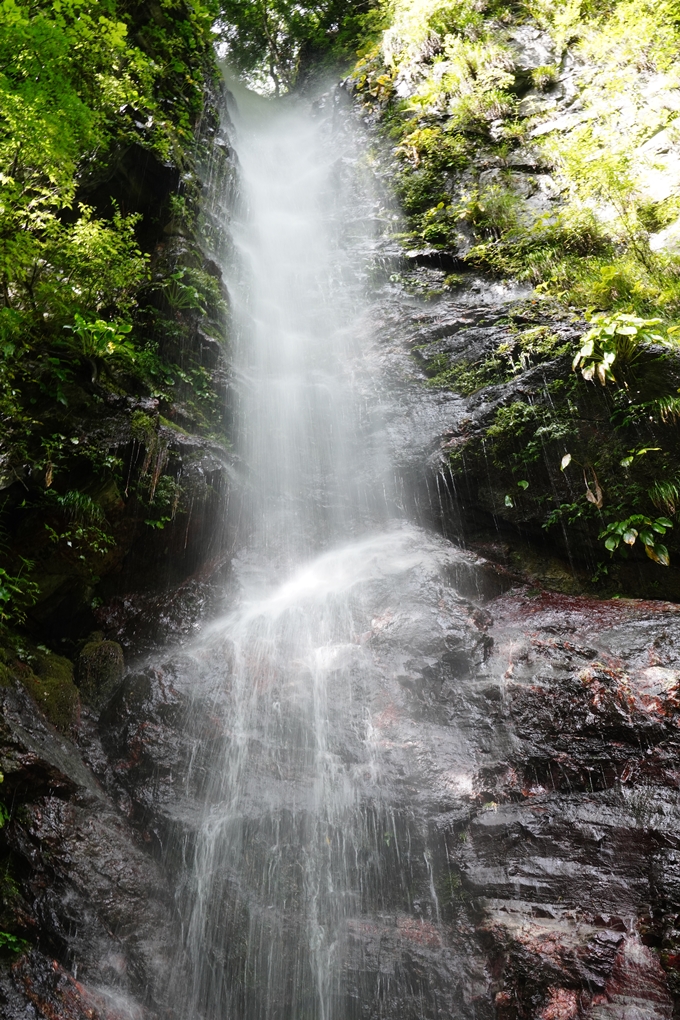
x=311, y=853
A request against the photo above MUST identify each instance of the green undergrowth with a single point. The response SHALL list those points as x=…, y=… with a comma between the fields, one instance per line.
x=524, y=349
x=557, y=167
x=103, y=285
x=12, y=904
x=469, y=124
x=590, y=458
x=46, y=676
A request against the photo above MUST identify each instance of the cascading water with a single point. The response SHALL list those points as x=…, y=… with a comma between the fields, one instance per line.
x=313, y=865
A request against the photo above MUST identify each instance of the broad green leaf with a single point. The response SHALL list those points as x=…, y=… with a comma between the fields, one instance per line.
x=658, y=553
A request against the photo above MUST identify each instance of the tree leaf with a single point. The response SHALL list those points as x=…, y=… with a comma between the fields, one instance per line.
x=658, y=553
x=630, y=536
x=566, y=461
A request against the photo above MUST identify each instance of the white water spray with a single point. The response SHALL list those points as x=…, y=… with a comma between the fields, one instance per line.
x=298, y=840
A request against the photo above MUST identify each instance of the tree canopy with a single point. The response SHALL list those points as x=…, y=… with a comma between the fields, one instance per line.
x=272, y=40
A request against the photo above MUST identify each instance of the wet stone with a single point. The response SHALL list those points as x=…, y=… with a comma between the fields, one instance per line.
x=100, y=669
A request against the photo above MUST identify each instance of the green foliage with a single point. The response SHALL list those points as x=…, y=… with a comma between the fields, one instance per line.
x=65, y=73
x=268, y=40
x=12, y=943
x=456, y=68
x=545, y=76
x=616, y=338
x=665, y=495
x=85, y=531
x=525, y=348
x=465, y=377
x=100, y=339
x=17, y=593
x=163, y=502
x=181, y=296
x=635, y=527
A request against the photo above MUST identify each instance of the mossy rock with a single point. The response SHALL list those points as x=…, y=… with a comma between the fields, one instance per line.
x=49, y=681
x=100, y=670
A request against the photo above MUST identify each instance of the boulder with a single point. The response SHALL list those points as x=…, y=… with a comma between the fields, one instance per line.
x=100, y=669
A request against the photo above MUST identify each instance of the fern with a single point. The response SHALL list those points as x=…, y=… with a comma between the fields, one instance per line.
x=665, y=496
x=667, y=408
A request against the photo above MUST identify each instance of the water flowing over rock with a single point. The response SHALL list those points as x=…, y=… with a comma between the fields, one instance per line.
x=386, y=777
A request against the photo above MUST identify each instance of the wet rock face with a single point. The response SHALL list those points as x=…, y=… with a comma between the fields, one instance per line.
x=481, y=405
x=564, y=856
x=527, y=751
x=516, y=842
x=78, y=883
x=100, y=669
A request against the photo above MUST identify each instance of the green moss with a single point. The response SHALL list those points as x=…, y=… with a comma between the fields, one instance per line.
x=466, y=377
x=49, y=681
x=525, y=348
x=100, y=670
x=142, y=427
x=173, y=425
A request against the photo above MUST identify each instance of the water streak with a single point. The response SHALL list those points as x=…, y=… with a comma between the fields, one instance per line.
x=298, y=842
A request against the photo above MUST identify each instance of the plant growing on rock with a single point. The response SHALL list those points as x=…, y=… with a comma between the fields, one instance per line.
x=616, y=338
x=17, y=593
x=635, y=527
x=85, y=524
x=102, y=343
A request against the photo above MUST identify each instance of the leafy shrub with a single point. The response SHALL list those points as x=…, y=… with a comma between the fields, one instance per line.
x=17, y=593
x=616, y=338
x=103, y=340
x=635, y=527
x=12, y=943
x=85, y=531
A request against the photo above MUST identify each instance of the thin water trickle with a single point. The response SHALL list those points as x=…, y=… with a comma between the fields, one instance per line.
x=302, y=839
